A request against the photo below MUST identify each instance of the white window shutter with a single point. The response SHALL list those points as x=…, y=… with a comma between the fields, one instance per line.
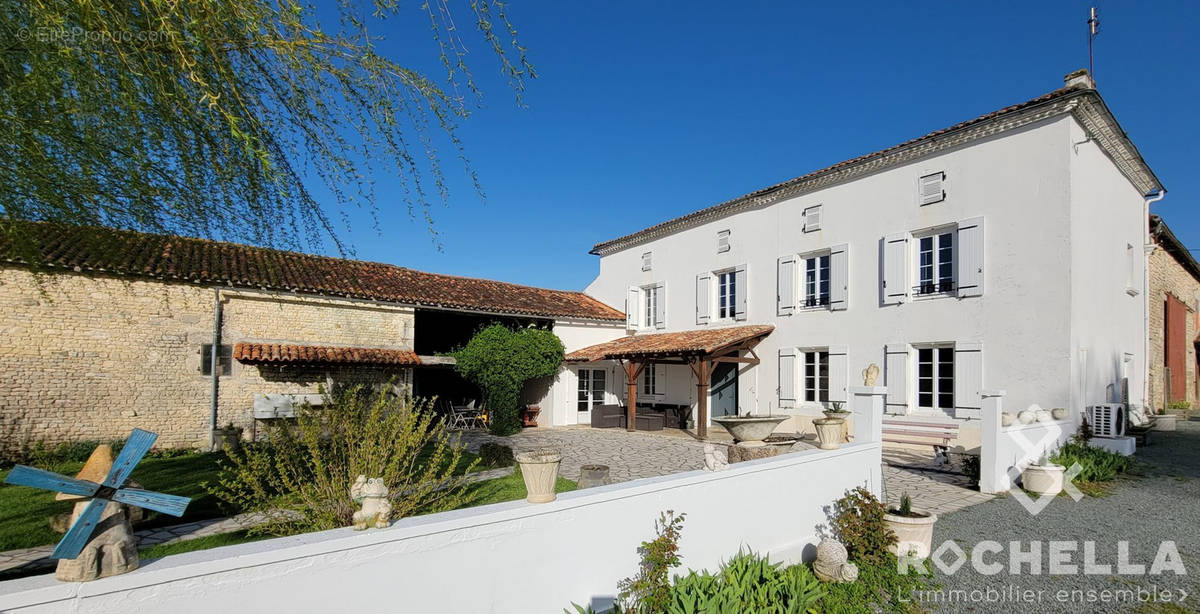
x=930, y=188
x=660, y=307
x=970, y=257
x=968, y=379
x=739, y=276
x=812, y=219
x=723, y=241
x=787, y=377
x=839, y=277
x=895, y=375
x=633, y=305
x=839, y=373
x=703, y=298
x=647, y=260
x=895, y=268
x=785, y=293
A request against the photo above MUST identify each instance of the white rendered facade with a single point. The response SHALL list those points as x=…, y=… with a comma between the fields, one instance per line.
x=1034, y=276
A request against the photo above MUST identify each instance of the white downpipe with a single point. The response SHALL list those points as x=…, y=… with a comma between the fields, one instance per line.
x=1148, y=247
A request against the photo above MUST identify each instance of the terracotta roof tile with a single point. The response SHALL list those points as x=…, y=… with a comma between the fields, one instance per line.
x=172, y=258
x=685, y=343
x=277, y=353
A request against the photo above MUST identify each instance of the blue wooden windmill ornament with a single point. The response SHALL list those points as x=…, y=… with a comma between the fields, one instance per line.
x=113, y=488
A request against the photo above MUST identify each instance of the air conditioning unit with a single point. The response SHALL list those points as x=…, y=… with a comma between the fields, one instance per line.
x=1107, y=420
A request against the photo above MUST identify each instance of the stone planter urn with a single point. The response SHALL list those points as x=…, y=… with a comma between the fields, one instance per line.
x=914, y=534
x=530, y=414
x=539, y=469
x=1164, y=422
x=228, y=438
x=593, y=475
x=750, y=431
x=1060, y=413
x=1044, y=479
x=829, y=432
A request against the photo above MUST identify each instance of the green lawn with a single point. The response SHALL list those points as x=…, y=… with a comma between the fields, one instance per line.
x=200, y=543
x=25, y=512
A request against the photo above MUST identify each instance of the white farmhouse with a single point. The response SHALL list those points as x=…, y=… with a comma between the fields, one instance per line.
x=1005, y=252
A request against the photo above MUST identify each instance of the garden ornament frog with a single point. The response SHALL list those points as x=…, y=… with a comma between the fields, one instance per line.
x=376, y=510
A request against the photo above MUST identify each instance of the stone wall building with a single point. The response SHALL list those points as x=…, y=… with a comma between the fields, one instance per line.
x=114, y=331
x=1174, y=314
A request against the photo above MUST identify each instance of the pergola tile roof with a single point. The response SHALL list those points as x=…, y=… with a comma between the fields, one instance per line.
x=666, y=345
x=286, y=354
x=201, y=261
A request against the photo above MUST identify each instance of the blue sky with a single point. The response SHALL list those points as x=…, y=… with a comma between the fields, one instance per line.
x=646, y=111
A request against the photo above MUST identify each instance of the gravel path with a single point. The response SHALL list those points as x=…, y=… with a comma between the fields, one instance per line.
x=1161, y=504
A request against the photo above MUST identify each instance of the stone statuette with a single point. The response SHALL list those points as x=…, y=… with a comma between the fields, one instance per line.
x=715, y=460
x=832, y=564
x=373, y=496
x=870, y=374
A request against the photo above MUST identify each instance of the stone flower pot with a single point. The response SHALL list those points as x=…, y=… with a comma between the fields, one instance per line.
x=829, y=432
x=539, y=469
x=1043, y=479
x=227, y=439
x=750, y=431
x=1060, y=413
x=1164, y=422
x=914, y=534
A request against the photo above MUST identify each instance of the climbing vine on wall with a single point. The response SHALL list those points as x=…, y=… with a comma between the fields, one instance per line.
x=500, y=361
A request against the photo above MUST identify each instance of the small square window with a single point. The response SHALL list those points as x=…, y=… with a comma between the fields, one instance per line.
x=646, y=260
x=931, y=189
x=224, y=359
x=812, y=219
x=723, y=241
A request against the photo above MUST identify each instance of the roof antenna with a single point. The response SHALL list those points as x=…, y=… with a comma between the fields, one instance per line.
x=1093, y=29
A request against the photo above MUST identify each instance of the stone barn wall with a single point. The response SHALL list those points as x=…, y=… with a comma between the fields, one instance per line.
x=89, y=357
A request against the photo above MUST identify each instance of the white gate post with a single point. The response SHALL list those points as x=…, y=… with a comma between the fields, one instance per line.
x=866, y=403
x=993, y=478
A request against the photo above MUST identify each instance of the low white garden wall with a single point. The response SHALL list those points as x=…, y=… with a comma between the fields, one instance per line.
x=1012, y=448
x=508, y=557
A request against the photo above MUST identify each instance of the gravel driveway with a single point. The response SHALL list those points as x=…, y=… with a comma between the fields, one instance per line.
x=1161, y=504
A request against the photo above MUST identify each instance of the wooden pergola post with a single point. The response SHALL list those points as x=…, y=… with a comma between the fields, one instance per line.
x=632, y=370
x=702, y=369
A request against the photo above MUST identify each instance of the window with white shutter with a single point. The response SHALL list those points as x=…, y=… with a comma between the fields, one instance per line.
x=839, y=373
x=703, y=298
x=839, y=277
x=931, y=188
x=816, y=280
x=652, y=381
x=787, y=377
x=723, y=241
x=647, y=260
x=743, y=293
x=895, y=373
x=935, y=377
x=1133, y=280
x=660, y=305
x=633, y=308
x=968, y=379
x=816, y=376
x=785, y=289
x=812, y=218
x=895, y=269
x=970, y=257
x=936, y=262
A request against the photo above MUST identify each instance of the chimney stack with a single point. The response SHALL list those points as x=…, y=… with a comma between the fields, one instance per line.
x=1080, y=78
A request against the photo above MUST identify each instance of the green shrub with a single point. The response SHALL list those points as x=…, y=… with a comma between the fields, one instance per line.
x=1179, y=405
x=746, y=583
x=495, y=455
x=650, y=590
x=300, y=477
x=859, y=525
x=500, y=360
x=970, y=467
x=879, y=588
x=47, y=456
x=1097, y=465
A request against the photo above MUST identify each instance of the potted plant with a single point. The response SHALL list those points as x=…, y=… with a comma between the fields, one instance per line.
x=1044, y=478
x=829, y=432
x=749, y=431
x=227, y=438
x=529, y=416
x=838, y=412
x=913, y=529
x=539, y=469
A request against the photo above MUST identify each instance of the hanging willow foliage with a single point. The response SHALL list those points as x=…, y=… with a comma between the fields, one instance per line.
x=206, y=117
